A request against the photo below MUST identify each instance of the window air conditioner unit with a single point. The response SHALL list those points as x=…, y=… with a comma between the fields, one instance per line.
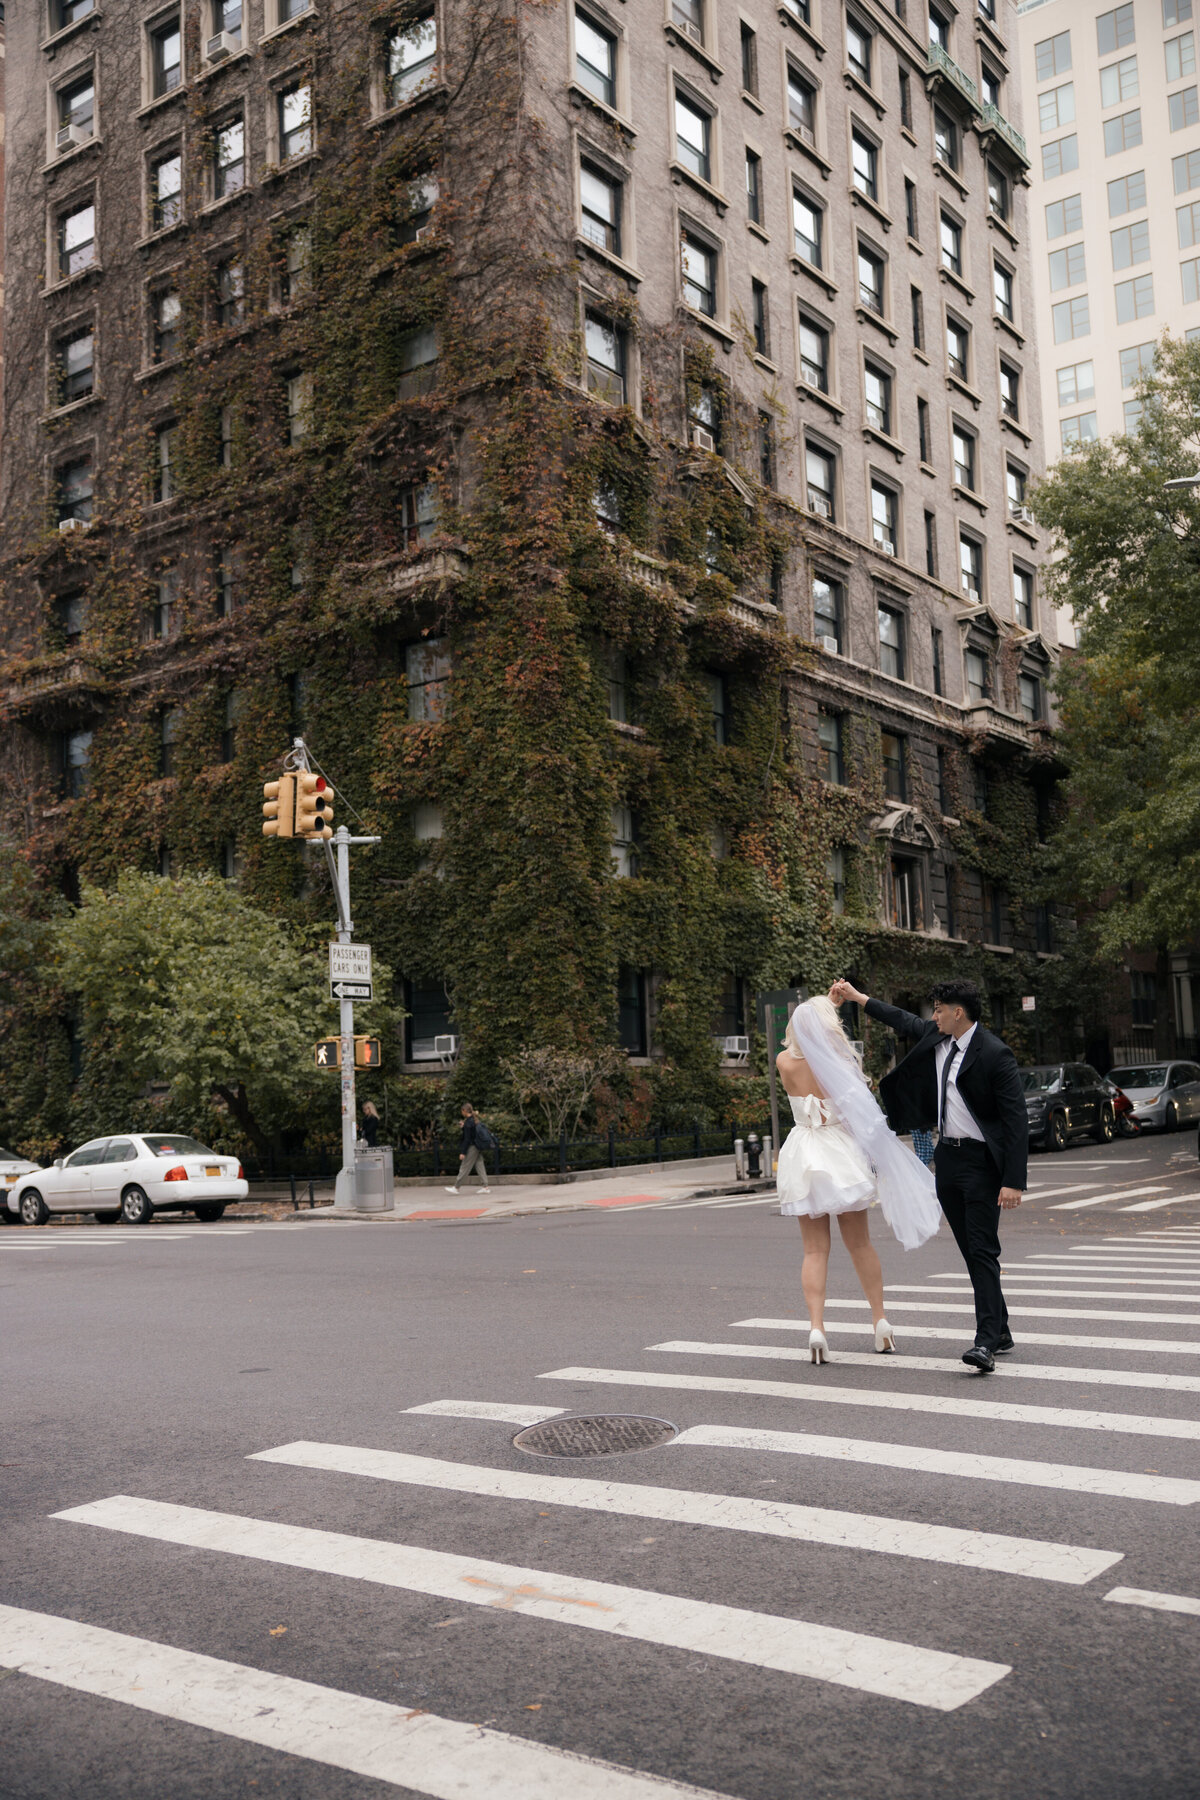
x=973, y=596
x=1022, y=513
x=72, y=525
x=221, y=47
x=830, y=646
x=689, y=30
x=701, y=439
x=446, y=1047
x=734, y=1049
x=67, y=136
x=886, y=546
x=819, y=504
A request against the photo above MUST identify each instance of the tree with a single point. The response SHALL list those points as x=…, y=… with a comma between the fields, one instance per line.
x=185, y=982
x=1130, y=572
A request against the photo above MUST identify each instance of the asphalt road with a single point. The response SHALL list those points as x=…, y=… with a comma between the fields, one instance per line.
x=902, y=1594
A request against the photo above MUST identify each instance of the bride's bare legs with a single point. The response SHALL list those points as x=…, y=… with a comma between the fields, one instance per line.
x=815, y=1268
x=857, y=1238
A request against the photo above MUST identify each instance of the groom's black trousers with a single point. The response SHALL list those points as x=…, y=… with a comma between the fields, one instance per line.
x=968, y=1187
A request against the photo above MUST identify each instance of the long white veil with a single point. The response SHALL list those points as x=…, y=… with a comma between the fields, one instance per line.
x=907, y=1192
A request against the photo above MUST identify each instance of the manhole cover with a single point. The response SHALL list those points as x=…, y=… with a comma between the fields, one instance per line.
x=608, y=1434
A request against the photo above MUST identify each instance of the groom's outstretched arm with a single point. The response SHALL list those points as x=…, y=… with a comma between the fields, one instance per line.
x=904, y=1024
x=1014, y=1121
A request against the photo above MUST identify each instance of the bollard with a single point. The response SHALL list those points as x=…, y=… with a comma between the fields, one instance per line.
x=292, y=1179
x=739, y=1159
x=753, y=1153
x=311, y=1198
x=768, y=1151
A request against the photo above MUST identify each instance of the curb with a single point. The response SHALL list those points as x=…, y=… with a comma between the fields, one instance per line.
x=577, y=1203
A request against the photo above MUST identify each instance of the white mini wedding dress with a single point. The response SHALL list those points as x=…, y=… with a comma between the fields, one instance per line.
x=822, y=1171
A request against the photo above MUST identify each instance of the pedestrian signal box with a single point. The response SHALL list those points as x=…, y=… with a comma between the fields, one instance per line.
x=328, y=1053
x=368, y=1052
x=279, y=807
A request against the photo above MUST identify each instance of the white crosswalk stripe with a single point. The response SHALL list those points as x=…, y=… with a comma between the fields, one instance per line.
x=1104, y=1199
x=1181, y=1603
x=1011, y=1287
x=1029, y=1312
x=1068, y=1277
x=913, y=1328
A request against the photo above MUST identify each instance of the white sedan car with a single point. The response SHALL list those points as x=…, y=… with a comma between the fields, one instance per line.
x=132, y=1178
x=11, y=1169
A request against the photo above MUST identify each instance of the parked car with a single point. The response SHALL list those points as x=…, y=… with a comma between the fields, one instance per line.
x=132, y=1178
x=1165, y=1094
x=11, y=1168
x=1064, y=1099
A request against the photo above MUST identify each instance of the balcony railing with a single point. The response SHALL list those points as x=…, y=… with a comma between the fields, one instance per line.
x=993, y=117
x=938, y=59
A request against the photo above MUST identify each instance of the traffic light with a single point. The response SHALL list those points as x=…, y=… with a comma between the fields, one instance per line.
x=368, y=1052
x=279, y=809
x=327, y=1053
x=314, y=805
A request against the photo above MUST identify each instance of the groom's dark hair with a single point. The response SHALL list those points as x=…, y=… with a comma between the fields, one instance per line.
x=959, y=993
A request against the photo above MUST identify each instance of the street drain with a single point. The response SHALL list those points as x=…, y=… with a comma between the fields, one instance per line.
x=604, y=1434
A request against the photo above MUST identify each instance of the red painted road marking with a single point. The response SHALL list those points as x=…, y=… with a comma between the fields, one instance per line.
x=450, y=1212
x=626, y=1200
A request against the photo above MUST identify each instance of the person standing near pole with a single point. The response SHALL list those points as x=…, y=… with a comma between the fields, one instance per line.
x=470, y=1151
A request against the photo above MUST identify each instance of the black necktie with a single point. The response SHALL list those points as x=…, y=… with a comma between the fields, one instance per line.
x=946, y=1067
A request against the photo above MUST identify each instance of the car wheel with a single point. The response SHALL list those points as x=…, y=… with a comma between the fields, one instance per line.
x=1171, y=1122
x=1056, y=1132
x=1107, y=1128
x=33, y=1208
x=108, y=1218
x=211, y=1211
x=136, y=1207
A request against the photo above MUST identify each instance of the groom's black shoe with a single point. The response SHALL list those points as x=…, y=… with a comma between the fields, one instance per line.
x=1004, y=1346
x=980, y=1357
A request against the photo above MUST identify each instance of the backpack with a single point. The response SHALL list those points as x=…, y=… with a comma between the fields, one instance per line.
x=483, y=1137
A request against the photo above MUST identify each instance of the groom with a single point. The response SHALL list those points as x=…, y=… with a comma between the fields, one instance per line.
x=962, y=1079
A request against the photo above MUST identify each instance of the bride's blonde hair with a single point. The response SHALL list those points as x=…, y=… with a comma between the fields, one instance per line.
x=822, y=1009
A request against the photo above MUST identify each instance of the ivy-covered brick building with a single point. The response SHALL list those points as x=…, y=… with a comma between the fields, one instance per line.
x=603, y=430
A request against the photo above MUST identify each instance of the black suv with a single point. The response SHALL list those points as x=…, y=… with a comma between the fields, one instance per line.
x=1063, y=1099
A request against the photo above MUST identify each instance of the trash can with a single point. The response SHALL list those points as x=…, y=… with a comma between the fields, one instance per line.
x=373, y=1180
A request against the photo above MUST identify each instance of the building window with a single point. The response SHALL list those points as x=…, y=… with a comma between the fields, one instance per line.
x=858, y=50
x=427, y=670
x=905, y=882
x=951, y=237
x=924, y=432
x=688, y=16
x=428, y=1018
x=1119, y=81
x=76, y=240
x=1127, y=194
x=802, y=106
x=878, y=384
x=978, y=685
x=766, y=449
x=1135, y=299
x=699, y=276
x=1125, y=132
x=631, y=1011
x=1066, y=216
x=286, y=10
x=162, y=478
x=945, y=138
x=760, y=318
x=618, y=686
x=77, y=756
x=754, y=205
x=864, y=158
x=891, y=642
x=606, y=505
x=827, y=614
x=835, y=875
x=423, y=194
x=1130, y=244
x=1183, y=109
x=1187, y=224
x=943, y=786
x=937, y=657
x=1075, y=383
x=749, y=60
x=166, y=191
x=1056, y=107
x=906, y=112
x=1176, y=12
x=293, y=121
x=295, y=275
x=884, y=516
x=1010, y=391
x=166, y=317
x=168, y=734
x=70, y=617
x=911, y=221
x=595, y=59
x=895, y=772
x=412, y=58
x=606, y=359
x=718, y=702
x=1002, y=291
x=1060, y=157
x=1067, y=267
x=1180, y=55
x=227, y=22
x=230, y=288
x=916, y=301
x=1052, y=56
x=1143, y=1006
x=74, y=367
x=820, y=478
x=1029, y=690
x=225, y=437
x=298, y=406
x=69, y=12
x=1082, y=429
x=958, y=341
x=418, y=514
x=1114, y=30
x=1071, y=319
x=939, y=29
x=624, y=842
x=1014, y=488
x=229, y=159
x=1136, y=363
x=76, y=112
x=807, y=230
x=704, y=415
x=870, y=280
x=829, y=739
x=693, y=138
x=970, y=567
x=989, y=86
x=166, y=58
x=1190, y=274
x=931, y=549
x=963, y=445
x=75, y=490
x=223, y=592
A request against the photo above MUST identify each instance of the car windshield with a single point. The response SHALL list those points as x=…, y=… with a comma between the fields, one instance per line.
x=1153, y=1075
x=1040, y=1081
x=176, y=1146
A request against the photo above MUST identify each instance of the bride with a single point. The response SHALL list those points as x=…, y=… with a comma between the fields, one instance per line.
x=840, y=1156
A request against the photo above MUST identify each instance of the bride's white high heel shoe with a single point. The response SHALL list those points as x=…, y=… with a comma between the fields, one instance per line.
x=818, y=1346
x=885, y=1341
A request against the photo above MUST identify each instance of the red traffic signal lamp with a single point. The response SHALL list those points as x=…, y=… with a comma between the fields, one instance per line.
x=368, y=1052
x=314, y=805
x=327, y=1053
x=279, y=808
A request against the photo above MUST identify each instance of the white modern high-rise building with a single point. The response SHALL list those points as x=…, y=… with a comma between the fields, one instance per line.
x=1112, y=116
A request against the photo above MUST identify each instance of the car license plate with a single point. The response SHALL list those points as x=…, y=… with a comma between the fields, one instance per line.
x=212, y=1171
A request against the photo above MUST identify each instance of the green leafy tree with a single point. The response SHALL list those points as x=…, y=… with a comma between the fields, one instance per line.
x=1130, y=572
x=185, y=982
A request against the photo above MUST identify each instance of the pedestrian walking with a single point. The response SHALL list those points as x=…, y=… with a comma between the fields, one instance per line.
x=370, y=1123
x=471, y=1146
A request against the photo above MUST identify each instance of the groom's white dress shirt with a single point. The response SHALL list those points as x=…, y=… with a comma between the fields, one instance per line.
x=958, y=1122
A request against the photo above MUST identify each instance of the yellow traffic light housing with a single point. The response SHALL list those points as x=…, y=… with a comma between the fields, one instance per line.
x=279, y=809
x=327, y=1053
x=314, y=805
x=368, y=1052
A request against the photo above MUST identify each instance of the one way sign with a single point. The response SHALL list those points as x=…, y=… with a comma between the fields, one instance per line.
x=351, y=990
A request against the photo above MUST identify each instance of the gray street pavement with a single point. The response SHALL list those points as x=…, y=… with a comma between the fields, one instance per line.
x=266, y=1531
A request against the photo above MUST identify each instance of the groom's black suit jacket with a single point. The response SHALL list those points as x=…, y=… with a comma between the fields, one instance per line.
x=988, y=1083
